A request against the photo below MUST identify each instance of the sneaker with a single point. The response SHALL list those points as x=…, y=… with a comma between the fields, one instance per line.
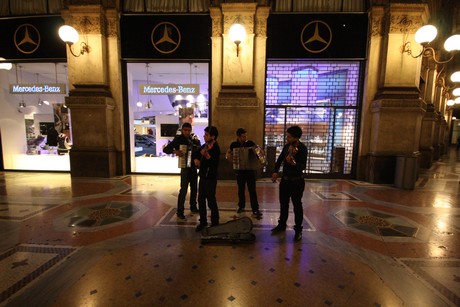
x=279, y=228
x=257, y=214
x=200, y=227
x=298, y=235
x=181, y=217
x=240, y=210
x=194, y=209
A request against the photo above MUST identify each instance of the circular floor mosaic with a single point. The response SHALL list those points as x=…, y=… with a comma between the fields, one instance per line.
x=100, y=215
x=376, y=223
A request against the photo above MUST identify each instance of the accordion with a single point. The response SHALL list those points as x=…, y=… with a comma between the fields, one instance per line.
x=247, y=158
x=186, y=159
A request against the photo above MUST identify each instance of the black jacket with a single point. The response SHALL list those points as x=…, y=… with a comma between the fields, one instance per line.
x=192, y=142
x=208, y=167
x=300, y=157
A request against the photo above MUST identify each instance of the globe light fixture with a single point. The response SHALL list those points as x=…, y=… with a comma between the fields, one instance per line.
x=70, y=36
x=237, y=34
x=424, y=36
x=5, y=65
x=455, y=77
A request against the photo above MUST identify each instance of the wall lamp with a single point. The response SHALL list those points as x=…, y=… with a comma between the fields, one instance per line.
x=5, y=65
x=237, y=34
x=452, y=102
x=70, y=36
x=424, y=36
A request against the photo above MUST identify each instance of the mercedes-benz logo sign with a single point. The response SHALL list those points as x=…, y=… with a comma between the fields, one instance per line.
x=165, y=37
x=316, y=36
x=27, y=38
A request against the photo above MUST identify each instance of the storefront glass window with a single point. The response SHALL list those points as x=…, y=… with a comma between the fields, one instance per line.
x=35, y=123
x=163, y=96
x=322, y=97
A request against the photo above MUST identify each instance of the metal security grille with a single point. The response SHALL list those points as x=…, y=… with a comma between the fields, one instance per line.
x=321, y=98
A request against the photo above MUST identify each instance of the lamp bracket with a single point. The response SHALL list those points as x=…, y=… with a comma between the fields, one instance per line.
x=427, y=52
x=84, y=48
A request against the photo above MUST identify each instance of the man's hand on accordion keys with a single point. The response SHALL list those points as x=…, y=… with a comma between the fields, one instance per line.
x=178, y=153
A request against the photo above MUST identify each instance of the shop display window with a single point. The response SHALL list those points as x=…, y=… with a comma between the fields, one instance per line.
x=322, y=98
x=35, y=123
x=163, y=96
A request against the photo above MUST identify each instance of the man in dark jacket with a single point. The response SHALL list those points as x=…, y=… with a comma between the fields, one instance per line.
x=207, y=160
x=293, y=158
x=245, y=176
x=188, y=173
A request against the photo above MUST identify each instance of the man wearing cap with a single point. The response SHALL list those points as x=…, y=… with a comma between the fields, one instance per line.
x=244, y=177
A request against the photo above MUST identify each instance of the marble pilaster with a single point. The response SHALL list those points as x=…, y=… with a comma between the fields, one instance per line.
x=238, y=91
x=96, y=109
x=397, y=105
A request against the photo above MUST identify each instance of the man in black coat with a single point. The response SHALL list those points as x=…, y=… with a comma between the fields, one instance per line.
x=293, y=158
x=245, y=176
x=188, y=173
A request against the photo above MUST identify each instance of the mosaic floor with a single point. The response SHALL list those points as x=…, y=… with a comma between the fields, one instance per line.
x=117, y=242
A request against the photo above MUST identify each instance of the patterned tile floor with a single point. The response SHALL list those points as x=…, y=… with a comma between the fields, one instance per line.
x=116, y=242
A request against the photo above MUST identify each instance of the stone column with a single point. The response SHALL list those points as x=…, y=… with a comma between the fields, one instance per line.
x=96, y=109
x=394, y=156
x=238, y=80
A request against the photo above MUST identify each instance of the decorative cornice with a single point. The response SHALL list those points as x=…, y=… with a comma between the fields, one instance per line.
x=261, y=21
x=112, y=22
x=247, y=21
x=92, y=19
x=408, y=17
x=216, y=17
x=377, y=19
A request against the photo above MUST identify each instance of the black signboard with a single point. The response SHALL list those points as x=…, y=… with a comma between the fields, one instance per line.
x=32, y=38
x=332, y=36
x=166, y=37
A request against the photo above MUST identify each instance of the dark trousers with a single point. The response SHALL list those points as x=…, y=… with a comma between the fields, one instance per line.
x=248, y=177
x=187, y=176
x=291, y=189
x=207, y=192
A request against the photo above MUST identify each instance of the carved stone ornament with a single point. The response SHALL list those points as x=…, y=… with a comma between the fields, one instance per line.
x=112, y=21
x=216, y=16
x=405, y=24
x=407, y=17
x=377, y=19
x=88, y=24
x=261, y=21
x=246, y=21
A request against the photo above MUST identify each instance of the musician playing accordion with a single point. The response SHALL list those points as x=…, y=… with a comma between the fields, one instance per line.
x=183, y=145
x=239, y=154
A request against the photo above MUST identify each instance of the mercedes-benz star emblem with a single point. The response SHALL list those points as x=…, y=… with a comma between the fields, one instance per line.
x=165, y=37
x=27, y=38
x=316, y=36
